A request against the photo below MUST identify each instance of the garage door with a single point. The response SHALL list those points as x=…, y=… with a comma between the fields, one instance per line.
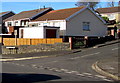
x=50, y=33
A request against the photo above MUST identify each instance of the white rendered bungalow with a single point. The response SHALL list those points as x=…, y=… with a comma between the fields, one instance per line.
x=79, y=21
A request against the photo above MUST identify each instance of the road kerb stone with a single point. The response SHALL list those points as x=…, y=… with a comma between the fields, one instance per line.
x=99, y=70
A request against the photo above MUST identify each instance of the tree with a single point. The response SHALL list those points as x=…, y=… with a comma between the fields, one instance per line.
x=92, y=4
x=105, y=18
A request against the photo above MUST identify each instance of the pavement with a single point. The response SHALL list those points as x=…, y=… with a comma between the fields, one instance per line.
x=107, y=43
x=106, y=67
x=109, y=67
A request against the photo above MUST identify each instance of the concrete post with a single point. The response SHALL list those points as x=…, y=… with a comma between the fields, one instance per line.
x=71, y=43
x=86, y=41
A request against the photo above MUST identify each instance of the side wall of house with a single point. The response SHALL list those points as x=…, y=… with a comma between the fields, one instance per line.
x=75, y=25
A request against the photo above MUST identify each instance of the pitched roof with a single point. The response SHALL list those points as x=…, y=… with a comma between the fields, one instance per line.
x=59, y=14
x=2, y=13
x=109, y=10
x=26, y=14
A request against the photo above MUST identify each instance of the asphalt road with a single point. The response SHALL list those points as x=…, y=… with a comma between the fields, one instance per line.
x=72, y=67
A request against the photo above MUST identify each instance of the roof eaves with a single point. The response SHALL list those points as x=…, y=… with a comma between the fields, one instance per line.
x=40, y=13
x=67, y=19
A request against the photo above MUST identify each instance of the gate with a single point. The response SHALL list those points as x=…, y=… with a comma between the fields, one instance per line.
x=78, y=42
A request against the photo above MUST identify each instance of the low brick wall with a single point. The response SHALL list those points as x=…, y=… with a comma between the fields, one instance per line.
x=36, y=48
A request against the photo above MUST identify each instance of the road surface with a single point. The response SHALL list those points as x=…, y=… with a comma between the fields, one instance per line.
x=72, y=67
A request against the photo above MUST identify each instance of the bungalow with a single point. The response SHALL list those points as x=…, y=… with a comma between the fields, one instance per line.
x=22, y=19
x=79, y=21
x=3, y=16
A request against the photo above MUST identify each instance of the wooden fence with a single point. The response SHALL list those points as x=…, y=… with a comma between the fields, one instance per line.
x=27, y=41
x=0, y=40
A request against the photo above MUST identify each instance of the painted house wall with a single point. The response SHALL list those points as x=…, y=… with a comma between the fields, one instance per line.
x=36, y=32
x=12, y=23
x=56, y=23
x=32, y=32
x=75, y=25
x=19, y=23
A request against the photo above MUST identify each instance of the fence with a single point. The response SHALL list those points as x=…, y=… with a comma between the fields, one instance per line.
x=78, y=42
x=0, y=39
x=27, y=41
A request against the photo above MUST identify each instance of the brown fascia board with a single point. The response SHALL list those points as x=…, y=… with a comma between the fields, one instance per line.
x=41, y=13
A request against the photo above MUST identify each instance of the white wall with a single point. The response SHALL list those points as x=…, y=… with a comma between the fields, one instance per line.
x=16, y=24
x=56, y=23
x=34, y=32
x=75, y=26
x=6, y=23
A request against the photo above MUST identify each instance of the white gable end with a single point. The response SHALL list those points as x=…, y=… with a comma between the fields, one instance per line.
x=100, y=18
x=96, y=25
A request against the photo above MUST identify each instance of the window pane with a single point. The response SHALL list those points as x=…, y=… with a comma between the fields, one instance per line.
x=86, y=25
